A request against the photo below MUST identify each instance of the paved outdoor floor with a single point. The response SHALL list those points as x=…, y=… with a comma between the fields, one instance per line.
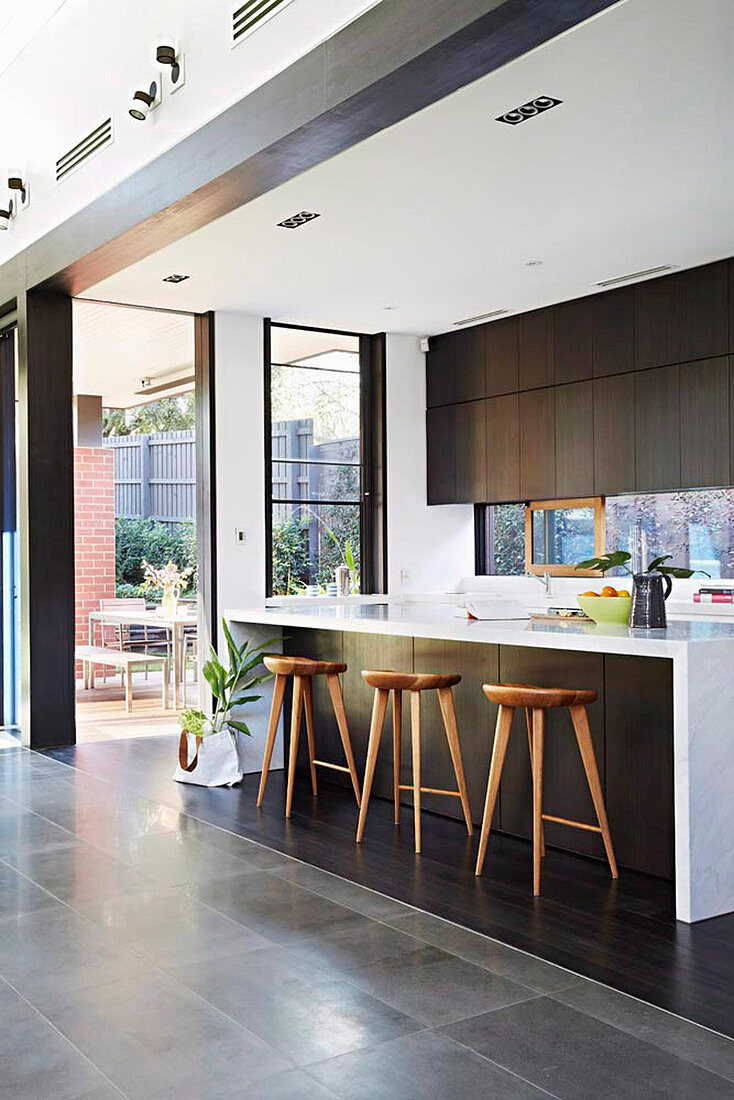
x=148, y=955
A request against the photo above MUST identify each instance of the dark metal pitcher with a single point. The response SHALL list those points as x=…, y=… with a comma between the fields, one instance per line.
x=649, y=593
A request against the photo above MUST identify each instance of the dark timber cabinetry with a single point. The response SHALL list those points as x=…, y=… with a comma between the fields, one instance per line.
x=634, y=693
x=628, y=390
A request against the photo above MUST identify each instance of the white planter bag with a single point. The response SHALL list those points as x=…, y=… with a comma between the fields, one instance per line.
x=211, y=761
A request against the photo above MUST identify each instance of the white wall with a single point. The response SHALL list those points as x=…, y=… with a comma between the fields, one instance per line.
x=428, y=549
x=240, y=458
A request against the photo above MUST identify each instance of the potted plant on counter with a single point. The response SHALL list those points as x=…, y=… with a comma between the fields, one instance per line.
x=646, y=606
x=213, y=738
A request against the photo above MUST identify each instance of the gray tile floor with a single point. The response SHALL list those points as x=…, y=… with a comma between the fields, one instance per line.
x=144, y=954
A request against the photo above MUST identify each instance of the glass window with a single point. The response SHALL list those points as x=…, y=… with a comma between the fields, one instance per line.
x=695, y=526
x=562, y=536
x=316, y=451
x=503, y=537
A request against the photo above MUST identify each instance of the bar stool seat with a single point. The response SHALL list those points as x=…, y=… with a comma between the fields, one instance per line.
x=303, y=669
x=536, y=701
x=526, y=695
x=384, y=681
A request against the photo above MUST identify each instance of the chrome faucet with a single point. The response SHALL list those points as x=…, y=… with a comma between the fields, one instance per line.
x=543, y=578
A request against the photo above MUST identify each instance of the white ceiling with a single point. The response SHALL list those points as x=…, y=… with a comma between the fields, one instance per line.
x=438, y=216
x=116, y=347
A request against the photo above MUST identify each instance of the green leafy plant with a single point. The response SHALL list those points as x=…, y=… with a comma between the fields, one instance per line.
x=619, y=559
x=231, y=687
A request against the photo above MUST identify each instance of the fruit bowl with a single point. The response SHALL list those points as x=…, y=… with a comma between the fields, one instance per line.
x=606, y=609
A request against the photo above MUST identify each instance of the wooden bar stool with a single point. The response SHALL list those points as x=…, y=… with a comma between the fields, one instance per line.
x=415, y=683
x=536, y=702
x=303, y=669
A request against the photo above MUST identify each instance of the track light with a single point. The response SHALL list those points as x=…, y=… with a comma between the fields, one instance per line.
x=144, y=102
x=17, y=184
x=6, y=215
x=166, y=54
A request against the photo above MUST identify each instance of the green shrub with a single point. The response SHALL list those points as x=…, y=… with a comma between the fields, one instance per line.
x=158, y=543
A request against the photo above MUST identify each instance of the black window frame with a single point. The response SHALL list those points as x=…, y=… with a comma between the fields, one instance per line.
x=372, y=463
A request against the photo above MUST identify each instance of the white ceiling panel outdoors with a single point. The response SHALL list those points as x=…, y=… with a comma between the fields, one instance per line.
x=446, y=215
x=116, y=349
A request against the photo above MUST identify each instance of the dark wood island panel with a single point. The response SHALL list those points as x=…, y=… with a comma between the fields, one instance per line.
x=631, y=724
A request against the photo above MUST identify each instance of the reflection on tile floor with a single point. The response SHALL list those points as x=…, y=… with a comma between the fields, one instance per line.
x=144, y=954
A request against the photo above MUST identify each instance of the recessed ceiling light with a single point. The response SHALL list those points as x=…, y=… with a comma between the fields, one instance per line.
x=297, y=220
x=528, y=110
x=533, y=263
x=389, y=308
x=636, y=275
x=176, y=278
x=481, y=317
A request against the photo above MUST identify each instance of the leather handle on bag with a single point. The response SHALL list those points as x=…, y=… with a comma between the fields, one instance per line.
x=183, y=752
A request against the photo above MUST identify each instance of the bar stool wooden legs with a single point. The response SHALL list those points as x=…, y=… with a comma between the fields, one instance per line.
x=536, y=702
x=303, y=670
x=398, y=682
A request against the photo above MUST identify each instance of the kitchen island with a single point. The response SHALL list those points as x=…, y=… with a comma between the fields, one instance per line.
x=662, y=727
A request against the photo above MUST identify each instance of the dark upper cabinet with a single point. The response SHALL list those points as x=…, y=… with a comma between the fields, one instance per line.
x=614, y=331
x=441, y=454
x=536, y=349
x=469, y=358
x=440, y=369
x=502, y=349
x=704, y=423
x=575, y=440
x=537, y=444
x=614, y=434
x=470, y=445
x=657, y=429
x=731, y=306
x=682, y=317
x=503, y=448
x=573, y=340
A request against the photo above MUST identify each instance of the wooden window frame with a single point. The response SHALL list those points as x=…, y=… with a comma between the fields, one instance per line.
x=555, y=570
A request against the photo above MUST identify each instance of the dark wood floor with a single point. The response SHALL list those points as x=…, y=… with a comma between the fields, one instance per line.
x=621, y=933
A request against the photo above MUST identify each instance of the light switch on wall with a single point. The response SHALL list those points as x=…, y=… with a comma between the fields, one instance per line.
x=239, y=536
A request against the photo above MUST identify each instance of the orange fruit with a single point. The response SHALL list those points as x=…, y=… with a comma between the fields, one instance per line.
x=623, y=592
x=589, y=593
x=609, y=590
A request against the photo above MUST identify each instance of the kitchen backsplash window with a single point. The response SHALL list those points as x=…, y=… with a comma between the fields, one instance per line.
x=696, y=526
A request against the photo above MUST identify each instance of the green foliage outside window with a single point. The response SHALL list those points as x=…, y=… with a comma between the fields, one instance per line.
x=157, y=543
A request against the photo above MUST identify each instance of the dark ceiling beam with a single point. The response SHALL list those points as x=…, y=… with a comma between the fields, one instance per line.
x=397, y=58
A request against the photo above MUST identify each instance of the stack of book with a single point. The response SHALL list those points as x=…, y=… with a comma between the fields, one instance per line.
x=712, y=594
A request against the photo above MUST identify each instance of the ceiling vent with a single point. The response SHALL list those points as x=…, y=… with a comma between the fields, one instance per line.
x=99, y=138
x=529, y=110
x=297, y=220
x=481, y=317
x=176, y=278
x=636, y=275
x=248, y=17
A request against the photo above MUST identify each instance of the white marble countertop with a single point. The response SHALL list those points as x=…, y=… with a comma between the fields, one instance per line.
x=420, y=619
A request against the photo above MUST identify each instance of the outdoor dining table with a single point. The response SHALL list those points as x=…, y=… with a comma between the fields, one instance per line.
x=176, y=625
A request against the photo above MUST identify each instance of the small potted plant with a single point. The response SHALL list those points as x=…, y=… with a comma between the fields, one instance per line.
x=168, y=579
x=213, y=737
x=646, y=606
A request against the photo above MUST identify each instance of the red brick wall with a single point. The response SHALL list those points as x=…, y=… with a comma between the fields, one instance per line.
x=94, y=537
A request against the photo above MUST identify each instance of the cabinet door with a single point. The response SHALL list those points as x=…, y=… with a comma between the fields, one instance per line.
x=503, y=448
x=441, y=454
x=575, y=440
x=537, y=445
x=614, y=434
x=470, y=445
x=572, y=340
x=470, y=381
x=502, y=352
x=440, y=370
x=657, y=429
x=704, y=423
x=614, y=331
x=682, y=317
x=536, y=351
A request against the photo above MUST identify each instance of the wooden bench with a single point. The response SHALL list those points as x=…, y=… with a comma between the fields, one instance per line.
x=126, y=660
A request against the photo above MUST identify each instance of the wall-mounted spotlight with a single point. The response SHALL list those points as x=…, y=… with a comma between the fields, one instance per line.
x=19, y=186
x=6, y=215
x=144, y=102
x=167, y=55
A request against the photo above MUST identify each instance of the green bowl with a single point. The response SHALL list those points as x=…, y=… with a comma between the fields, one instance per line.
x=606, y=609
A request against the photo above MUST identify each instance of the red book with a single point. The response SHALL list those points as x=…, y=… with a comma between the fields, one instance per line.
x=699, y=597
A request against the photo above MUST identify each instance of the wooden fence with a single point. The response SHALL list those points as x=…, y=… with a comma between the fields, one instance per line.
x=155, y=476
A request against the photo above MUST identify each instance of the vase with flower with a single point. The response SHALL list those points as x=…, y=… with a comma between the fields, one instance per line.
x=170, y=581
